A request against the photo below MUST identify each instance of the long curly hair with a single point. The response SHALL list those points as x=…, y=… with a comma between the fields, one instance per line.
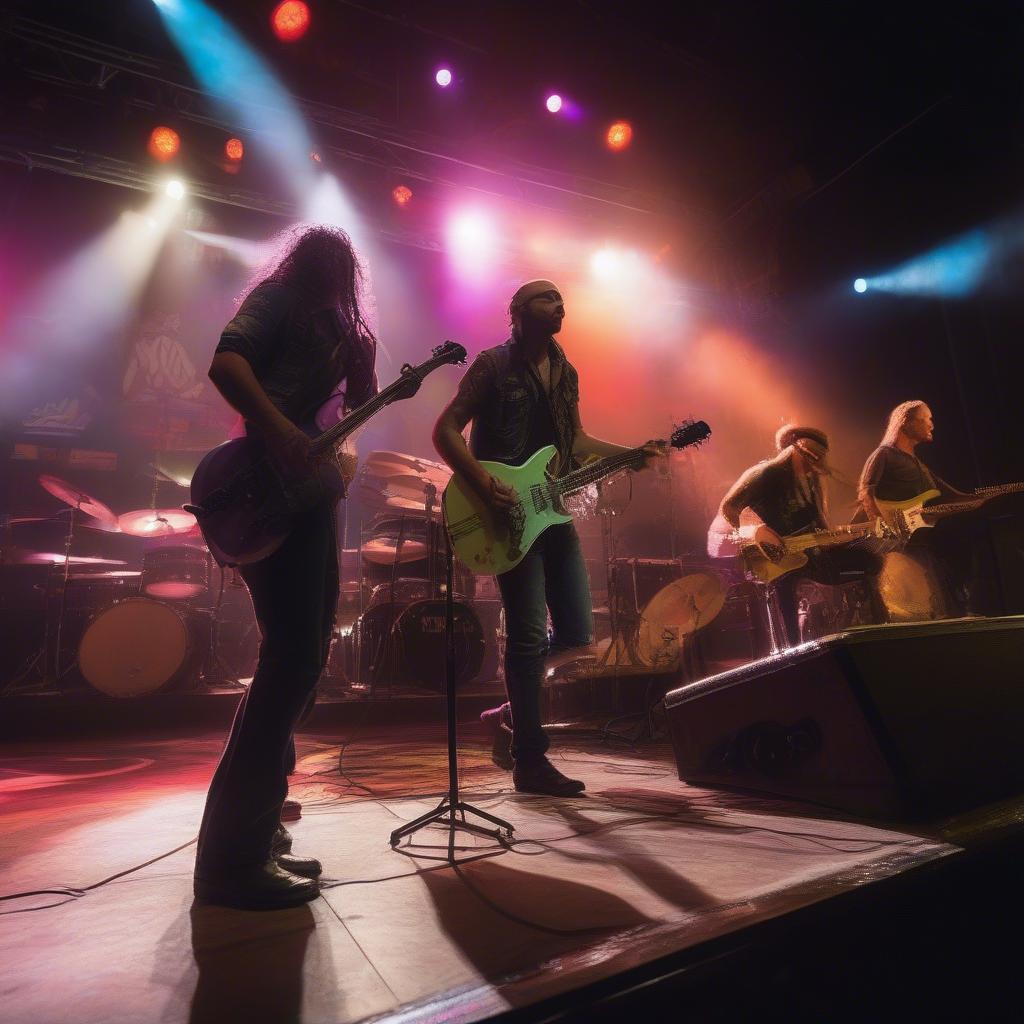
x=899, y=418
x=320, y=262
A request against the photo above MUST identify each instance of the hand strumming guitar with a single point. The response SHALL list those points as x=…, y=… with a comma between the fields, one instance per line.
x=289, y=450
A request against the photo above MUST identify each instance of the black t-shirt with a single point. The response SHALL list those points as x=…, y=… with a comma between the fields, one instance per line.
x=299, y=356
x=778, y=498
x=894, y=475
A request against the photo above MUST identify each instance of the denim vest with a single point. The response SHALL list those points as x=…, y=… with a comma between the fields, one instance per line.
x=503, y=421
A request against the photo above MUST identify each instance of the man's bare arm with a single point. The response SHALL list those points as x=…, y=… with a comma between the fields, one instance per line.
x=584, y=444
x=234, y=379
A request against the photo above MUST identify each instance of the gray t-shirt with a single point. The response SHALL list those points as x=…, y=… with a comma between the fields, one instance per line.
x=300, y=357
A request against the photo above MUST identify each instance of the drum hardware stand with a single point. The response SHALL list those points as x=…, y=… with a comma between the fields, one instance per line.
x=389, y=649
x=452, y=809
x=213, y=671
x=48, y=655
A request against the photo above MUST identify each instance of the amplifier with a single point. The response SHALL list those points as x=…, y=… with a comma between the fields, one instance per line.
x=895, y=721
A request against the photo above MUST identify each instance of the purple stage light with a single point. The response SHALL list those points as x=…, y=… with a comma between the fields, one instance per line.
x=443, y=77
x=554, y=103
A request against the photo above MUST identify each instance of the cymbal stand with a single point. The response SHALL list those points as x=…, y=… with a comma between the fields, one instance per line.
x=452, y=809
x=48, y=655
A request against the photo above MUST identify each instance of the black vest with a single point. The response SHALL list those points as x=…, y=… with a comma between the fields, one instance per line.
x=518, y=416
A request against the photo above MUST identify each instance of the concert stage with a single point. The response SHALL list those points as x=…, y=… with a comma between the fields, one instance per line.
x=647, y=893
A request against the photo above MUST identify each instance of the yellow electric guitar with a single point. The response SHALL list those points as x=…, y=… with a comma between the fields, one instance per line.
x=767, y=562
x=905, y=517
x=490, y=545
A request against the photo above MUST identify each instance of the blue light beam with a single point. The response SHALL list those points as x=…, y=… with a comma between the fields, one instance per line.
x=955, y=270
x=251, y=96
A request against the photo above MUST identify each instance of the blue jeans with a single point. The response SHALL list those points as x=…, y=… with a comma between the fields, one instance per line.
x=551, y=578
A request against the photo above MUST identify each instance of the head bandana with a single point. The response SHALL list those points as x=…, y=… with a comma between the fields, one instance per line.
x=531, y=290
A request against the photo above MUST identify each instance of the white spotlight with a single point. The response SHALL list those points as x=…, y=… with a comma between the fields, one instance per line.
x=175, y=188
x=860, y=285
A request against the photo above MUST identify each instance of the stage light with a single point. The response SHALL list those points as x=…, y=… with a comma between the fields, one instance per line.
x=290, y=20
x=234, y=150
x=472, y=242
x=860, y=285
x=402, y=195
x=314, y=155
x=443, y=77
x=164, y=143
x=554, y=103
x=175, y=189
x=619, y=135
x=248, y=92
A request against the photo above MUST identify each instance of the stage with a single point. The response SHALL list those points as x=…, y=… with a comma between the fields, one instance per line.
x=643, y=880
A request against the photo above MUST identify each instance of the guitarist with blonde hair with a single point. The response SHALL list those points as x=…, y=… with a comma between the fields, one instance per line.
x=521, y=396
x=893, y=471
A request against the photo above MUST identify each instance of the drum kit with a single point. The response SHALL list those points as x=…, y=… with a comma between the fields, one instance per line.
x=178, y=620
x=391, y=617
x=125, y=632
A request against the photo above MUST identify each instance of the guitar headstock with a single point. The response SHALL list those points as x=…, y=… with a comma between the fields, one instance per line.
x=690, y=434
x=450, y=352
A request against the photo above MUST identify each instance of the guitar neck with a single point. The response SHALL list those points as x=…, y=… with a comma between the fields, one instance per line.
x=840, y=535
x=355, y=419
x=586, y=475
x=982, y=495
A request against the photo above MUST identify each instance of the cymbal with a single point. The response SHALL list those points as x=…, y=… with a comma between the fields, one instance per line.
x=411, y=504
x=908, y=589
x=16, y=557
x=71, y=495
x=389, y=464
x=384, y=551
x=674, y=613
x=157, y=522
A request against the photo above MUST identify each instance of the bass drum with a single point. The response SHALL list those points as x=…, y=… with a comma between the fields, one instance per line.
x=421, y=643
x=135, y=647
x=407, y=645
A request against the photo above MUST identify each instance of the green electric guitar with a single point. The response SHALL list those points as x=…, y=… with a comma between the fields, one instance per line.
x=491, y=544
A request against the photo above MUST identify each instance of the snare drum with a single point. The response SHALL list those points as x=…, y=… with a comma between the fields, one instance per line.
x=135, y=647
x=176, y=573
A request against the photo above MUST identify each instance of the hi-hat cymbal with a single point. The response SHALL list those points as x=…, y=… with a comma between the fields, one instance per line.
x=78, y=499
x=674, y=613
x=157, y=522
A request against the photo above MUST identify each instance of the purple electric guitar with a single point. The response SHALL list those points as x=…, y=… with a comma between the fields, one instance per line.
x=244, y=506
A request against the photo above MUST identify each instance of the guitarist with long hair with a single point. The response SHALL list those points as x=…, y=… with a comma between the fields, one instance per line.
x=300, y=332
x=521, y=396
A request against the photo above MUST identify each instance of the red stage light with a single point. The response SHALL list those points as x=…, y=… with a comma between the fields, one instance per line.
x=164, y=143
x=402, y=195
x=619, y=135
x=234, y=150
x=314, y=155
x=290, y=20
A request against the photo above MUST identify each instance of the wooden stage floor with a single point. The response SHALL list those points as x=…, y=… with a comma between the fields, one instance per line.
x=642, y=867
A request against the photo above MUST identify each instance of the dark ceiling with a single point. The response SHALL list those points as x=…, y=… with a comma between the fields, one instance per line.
x=881, y=127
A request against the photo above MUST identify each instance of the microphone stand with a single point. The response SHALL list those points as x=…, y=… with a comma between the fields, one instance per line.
x=452, y=809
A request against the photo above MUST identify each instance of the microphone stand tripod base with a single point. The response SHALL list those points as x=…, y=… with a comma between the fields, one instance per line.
x=452, y=810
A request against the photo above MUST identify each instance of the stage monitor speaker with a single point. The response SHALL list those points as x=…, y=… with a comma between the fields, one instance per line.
x=897, y=721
